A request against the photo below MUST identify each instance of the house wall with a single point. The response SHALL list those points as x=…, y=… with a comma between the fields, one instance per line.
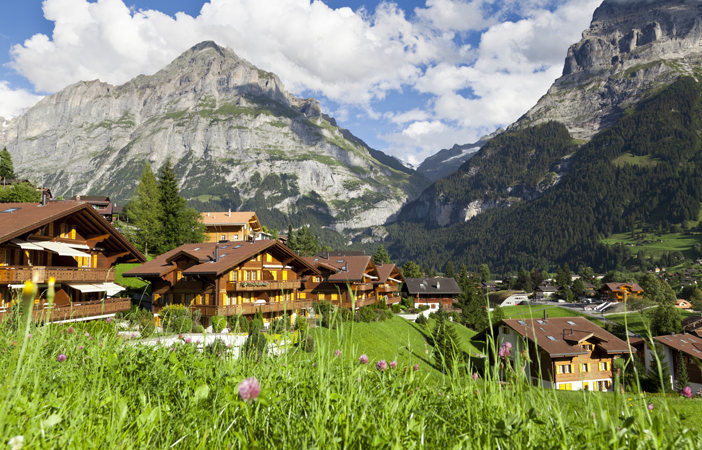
x=671, y=356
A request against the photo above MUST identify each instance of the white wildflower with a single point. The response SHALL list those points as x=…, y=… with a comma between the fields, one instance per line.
x=16, y=442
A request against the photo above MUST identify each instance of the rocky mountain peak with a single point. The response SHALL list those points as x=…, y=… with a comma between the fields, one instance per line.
x=632, y=48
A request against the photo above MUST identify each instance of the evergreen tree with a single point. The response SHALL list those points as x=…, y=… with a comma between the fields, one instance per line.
x=660, y=381
x=666, y=320
x=307, y=243
x=524, y=280
x=561, y=278
x=7, y=169
x=447, y=344
x=484, y=273
x=682, y=378
x=450, y=271
x=292, y=244
x=382, y=256
x=144, y=212
x=275, y=233
x=463, y=281
x=411, y=270
x=180, y=223
x=579, y=287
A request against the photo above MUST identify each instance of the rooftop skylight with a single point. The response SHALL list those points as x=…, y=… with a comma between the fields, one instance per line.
x=551, y=338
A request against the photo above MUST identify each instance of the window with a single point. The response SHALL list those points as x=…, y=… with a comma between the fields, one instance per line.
x=269, y=257
x=570, y=322
x=604, y=366
x=275, y=275
x=11, y=210
x=223, y=237
x=585, y=367
x=551, y=338
x=301, y=295
x=335, y=297
x=179, y=275
x=586, y=386
x=285, y=275
x=320, y=297
x=586, y=347
x=565, y=386
x=188, y=299
x=505, y=330
x=198, y=299
x=236, y=237
x=565, y=368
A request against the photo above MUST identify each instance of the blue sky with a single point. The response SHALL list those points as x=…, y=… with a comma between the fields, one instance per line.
x=409, y=78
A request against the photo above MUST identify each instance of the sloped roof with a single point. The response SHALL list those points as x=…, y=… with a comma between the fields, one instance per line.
x=692, y=322
x=614, y=287
x=27, y=217
x=228, y=218
x=384, y=271
x=91, y=198
x=561, y=336
x=355, y=266
x=230, y=255
x=432, y=286
x=686, y=343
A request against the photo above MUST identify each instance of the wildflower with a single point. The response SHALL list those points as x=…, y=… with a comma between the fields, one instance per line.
x=475, y=376
x=363, y=359
x=381, y=365
x=61, y=358
x=133, y=336
x=16, y=442
x=29, y=336
x=188, y=340
x=416, y=368
x=504, y=351
x=109, y=320
x=393, y=364
x=687, y=392
x=180, y=336
x=440, y=394
x=337, y=352
x=508, y=344
x=70, y=330
x=80, y=347
x=650, y=406
x=249, y=389
x=87, y=334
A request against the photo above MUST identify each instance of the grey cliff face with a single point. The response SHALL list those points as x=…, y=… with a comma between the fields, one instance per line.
x=221, y=121
x=631, y=49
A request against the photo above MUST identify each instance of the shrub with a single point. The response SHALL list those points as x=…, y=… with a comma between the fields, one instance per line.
x=196, y=315
x=423, y=307
x=281, y=324
x=432, y=315
x=198, y=329
x=388, y=314
x=217, y=348
x=181, y=325
x=407, y=302
x=147, y=327
x=379, y=315
x=171, y=313
x=255, y=326
x=345, y=314
x=134, y=315
x=256, y=345
x=219, y=323
x=367, y=314
x=382, y=304
x=326, y=313
x=309, y=344
x=396, y=308
x=421, y=319
x=238, y=324
x=301, y=324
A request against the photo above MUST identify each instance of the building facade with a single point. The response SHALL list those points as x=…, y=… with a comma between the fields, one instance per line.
x=433, y=292
x=344, y=280
x=674, y=346
x=618, y=292
x=238, y=226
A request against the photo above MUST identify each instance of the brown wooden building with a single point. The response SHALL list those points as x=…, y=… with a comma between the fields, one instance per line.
x=432, y=291
x=617, y=292
x=388, y=283
x=675, y=345
x=237, y=226
x=566, y=353
x=342, y=278
x=71, y=242
x=229, y=279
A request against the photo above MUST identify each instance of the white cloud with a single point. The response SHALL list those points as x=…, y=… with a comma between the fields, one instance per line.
x=14, y=102
x=351, y=58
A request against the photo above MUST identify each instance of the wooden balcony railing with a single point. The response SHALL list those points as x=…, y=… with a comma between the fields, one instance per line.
x=252, y=308
x=262, y=285
x=20, y=274
x=387, y=288
x=44, y=313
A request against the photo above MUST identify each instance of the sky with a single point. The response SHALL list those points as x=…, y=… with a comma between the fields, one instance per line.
x=409, y=78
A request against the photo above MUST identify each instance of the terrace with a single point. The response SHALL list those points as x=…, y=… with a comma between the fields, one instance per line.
x=43, y=312
x=20, y=274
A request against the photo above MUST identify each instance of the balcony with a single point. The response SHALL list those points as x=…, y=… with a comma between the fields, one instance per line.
x=20, y=274
x=45, y=313
x=386, y=289
x=262, y=285
x=269, y=307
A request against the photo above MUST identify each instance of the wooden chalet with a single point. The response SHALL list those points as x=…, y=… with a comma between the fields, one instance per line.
x=683, y=304
x=432, y=291
x=693, y=324
x=231, y=226
x=229, y=279
x=618, y=292
x=71, y=242
x=673, y=346
x=100, y=203
x=566, y=353
x=388, y=283
x=343, y=278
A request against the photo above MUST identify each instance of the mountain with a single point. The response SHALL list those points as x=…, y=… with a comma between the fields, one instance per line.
x=237, y=139
x=632, y=50
x=446, y=161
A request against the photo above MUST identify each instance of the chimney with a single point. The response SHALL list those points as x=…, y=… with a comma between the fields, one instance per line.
x=438, y=285
x=44, y=197
x=216, y=253
x=230, y=212
x=208, y=214
x=545, y=317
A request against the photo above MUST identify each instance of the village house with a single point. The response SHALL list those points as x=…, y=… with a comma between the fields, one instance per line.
x=345, y=278
x=690, y=346
x=683, y=304
x=693, y=324
x=70, y=242
x=544, y=292
x=618, y=292
x=231, y=226
x=566, y=353
x=388, y=283
x=100, y=203
x=508, y=298
x=229, y=279
x=432, y=291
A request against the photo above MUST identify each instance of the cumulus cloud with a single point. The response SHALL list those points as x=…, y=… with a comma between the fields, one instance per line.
x=14, y=102
x=353, y=58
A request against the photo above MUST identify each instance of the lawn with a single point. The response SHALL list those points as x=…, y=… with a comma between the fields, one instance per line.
x=681, y=242
x=130, y=283
x=395, y=339
x=537, y=312
x=637, y=322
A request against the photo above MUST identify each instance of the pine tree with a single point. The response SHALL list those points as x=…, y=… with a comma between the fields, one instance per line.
x=292, y=244
x=382, y=256
x=450, y=271
x=682, y=378
x=7, y=169
x=144, y=212
x=181, y=224
x=307, y=243
x=660, y=381
x=447, y=344
x=463, y=281
x=484, y=273
x=275, y=233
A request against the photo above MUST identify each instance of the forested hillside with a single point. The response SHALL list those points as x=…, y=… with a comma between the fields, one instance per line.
x=645, y=168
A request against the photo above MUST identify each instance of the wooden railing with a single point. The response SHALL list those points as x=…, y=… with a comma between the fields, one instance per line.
x=253, y=308
x=262, y=285
x=44, y=313
x=386, y=288
x=20, y=274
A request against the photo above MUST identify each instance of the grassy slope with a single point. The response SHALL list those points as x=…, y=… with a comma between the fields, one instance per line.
x=637, y=322
x=134, y=283
x=671, y=242
x=537, y=312
x=395, y=339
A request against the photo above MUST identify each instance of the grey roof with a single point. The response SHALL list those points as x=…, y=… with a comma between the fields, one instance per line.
x=420, y=286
